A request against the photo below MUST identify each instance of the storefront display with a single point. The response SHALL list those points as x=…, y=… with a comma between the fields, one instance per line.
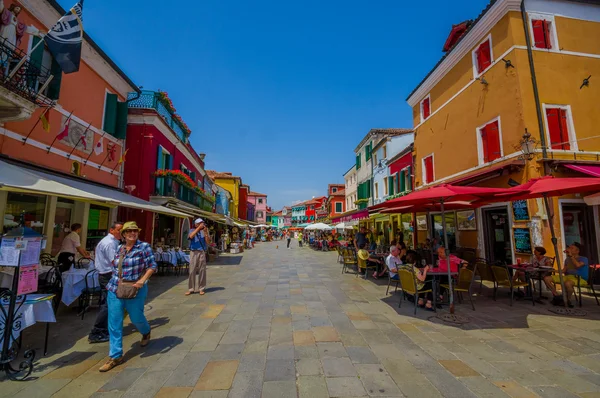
x=97, y=226
x=29, y=210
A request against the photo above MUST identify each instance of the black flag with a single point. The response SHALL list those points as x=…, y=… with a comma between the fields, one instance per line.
x=65, y=38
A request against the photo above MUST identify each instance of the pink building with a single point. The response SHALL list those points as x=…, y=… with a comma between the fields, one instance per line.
x=260, y=206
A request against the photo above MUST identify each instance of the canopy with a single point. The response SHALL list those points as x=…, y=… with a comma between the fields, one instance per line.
x=343, y=226
x=550, y=186
x=319, y=226
x=427, y=207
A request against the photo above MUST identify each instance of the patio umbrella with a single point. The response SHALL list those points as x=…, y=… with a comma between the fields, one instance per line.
x=319, y=226
x=442, y=195
x=343, y=226
x=545, y=187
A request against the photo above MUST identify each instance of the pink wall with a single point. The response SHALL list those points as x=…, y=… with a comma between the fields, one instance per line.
x=262, y=207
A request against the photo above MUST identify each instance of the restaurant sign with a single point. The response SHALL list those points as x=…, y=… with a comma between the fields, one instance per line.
x=359, y=215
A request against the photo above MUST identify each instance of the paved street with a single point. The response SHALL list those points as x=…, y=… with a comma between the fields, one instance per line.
x=287, y=323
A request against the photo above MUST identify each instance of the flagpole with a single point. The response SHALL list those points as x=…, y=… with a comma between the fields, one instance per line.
x=106, y=157
x=77, y=144
x=54, y=140
x=36, y=123
x=93, y=149
x=121, y=161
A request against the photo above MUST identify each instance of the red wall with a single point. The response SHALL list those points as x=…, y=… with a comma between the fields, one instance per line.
x=243, y=204
x=401, y=163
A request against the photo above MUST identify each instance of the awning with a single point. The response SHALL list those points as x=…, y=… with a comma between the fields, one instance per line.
x=16, y=178
x=190, y=211
x=485, y=173
x=355, y=215
x=592, y=170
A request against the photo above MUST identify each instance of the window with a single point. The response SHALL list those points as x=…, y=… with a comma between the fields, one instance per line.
x=358, y=161
x=561, y=133
x=428, y=169
x=375, y=159
x=425, y=108
x=260, y=201
x=482, y=56
x=26, y=210
x=333, y=190
x=385, y=186
x=489, y=141
x=259, y=214
x=338, y=207
x=541, y=33
x=42, y=59
x=115, y=116
x=368, y=151
x=391, y=182
x=376, y=190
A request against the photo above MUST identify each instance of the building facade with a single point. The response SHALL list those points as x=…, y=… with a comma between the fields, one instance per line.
x=336, y=200
x=243, y=214
x=385, y=185
x=350, y=188
x=512, y=81
x=232, y=184
x=260, y=204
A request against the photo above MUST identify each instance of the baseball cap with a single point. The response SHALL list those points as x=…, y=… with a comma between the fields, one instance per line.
x=198, y=221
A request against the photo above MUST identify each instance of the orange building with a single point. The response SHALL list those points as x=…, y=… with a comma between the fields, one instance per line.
x=336, y=200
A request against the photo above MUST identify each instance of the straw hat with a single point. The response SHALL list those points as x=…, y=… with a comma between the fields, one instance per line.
x=363, y=254
x=130, y=225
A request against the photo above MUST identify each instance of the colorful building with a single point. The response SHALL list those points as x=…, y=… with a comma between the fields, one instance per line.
x=350, y=188
x=299, y=214
x=510, y=100
x=385, y=184
x=232, y=184
x=336, y=200
x=243, y=209
x=223, y=201
x=260, y=204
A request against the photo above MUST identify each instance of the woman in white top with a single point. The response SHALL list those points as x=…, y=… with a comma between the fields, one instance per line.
x=71, y=244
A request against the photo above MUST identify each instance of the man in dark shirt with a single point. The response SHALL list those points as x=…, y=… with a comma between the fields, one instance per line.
x=360, y=238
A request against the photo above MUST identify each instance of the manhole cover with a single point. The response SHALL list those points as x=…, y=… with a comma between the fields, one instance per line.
x=453, y=318
x=567, y=311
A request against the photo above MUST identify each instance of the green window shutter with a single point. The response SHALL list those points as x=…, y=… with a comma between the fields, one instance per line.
x=358, y=161
x=390, y=185
x=38, y=54
x=121, y=120
x=409, y=178
x=54, y=86
x=368, y=150
x=110, y=114
x=402, y=181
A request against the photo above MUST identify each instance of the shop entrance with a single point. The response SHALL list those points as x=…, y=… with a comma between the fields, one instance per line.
x=164, y=231
x=496, y=227
x=577, y=221
x=438, y=233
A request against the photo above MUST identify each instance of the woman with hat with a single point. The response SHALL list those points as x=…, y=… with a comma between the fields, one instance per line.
x=133, y=265
x=199, y=241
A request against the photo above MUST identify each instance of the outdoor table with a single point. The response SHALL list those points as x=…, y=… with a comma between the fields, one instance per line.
x=35, y=308
x=435, y=276
x=74, y=283
x=533, y=273
x=7, y=273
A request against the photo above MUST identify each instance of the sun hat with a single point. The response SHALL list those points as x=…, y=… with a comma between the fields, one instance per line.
x=130, y=225
x=198, y=221
x=363, y=254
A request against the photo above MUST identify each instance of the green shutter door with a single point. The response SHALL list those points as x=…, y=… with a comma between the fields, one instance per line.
x=121, y=120
x=35, y=58
x=54, y=86
x=390, y=185
x=110, y=114
x=409, y=178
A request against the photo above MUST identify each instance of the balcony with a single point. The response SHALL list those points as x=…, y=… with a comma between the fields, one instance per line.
x=161, y=104
x=170, y=187
x=22, y=92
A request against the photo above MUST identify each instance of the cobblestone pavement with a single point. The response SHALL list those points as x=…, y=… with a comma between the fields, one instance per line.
x=287, y=323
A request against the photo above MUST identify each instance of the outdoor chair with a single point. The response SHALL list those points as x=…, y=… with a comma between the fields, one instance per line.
x=590, y=285
x=340, y=258
x=390, y=281
x=92, y=292
x=364, y=264
x=408, y=285
x=483, y=272
x=503, y=279
x=466, y=277
x=349, y=258
x=83, y=263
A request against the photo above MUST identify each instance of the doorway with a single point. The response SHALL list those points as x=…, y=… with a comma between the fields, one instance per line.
x=497, y=238
x=578, y=227
x=438, y=232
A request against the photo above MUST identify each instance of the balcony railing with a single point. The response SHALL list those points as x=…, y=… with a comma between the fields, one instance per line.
x=28, y=81
x=167, y=186
x=151, y=100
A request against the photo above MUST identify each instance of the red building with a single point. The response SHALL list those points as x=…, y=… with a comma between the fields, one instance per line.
x=336, y=200
x=157, y=139
x=243, y=205
x=401, y=170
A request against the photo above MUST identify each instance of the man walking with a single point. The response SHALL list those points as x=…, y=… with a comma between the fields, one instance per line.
x=199, y=241
x=300, y=239
x=105, y=254
x=288, y=236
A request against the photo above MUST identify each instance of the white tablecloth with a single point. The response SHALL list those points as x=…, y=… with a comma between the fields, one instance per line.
x=74, y=283
x=29, y=313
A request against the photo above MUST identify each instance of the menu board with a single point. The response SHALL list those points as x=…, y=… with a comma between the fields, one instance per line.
x=28, y=279
x=520, y=210
x=522, y=239
x=93, y=219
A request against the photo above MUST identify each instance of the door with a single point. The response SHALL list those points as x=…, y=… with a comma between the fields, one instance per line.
x=497, y=235
x=578, y=227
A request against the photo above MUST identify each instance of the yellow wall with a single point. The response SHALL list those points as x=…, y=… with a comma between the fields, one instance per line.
x=233, y=186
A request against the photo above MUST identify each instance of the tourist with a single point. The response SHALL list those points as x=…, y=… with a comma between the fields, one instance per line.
x=455, y=262
x=105, y=254
x=360, y=239
x=288, y=236
x=134, y=262
x=300, y=239
x=575, y=267
x=370, y=260
x=393, y=263
x=71, y=245
x=199, y=241
x=423, y=283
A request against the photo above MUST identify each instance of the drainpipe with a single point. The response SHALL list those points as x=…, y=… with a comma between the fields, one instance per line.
x=536, y=94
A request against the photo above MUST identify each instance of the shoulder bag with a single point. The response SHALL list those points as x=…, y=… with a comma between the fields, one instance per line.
x=125, y=289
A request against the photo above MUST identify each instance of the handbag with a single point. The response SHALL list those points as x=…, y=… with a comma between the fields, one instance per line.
x=125, y=289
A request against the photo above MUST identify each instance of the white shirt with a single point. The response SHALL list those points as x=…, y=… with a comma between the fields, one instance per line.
x=106, y=251
x=392, y=263
x=70, y=243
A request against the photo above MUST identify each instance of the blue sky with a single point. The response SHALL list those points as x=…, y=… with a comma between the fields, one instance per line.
x=279, y=93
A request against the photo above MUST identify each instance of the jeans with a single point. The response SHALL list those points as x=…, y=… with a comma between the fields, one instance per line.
x=135, y=309
x=300, y=243
x=101, y=324
x=288, y=245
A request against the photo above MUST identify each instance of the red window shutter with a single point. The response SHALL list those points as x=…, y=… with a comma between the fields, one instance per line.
x=484, y=144
x=554, y=128
x=564, y=130
x=428, y=169
x=493, y=141
x=541, y=33
x=426, y=108
x=547, y=34
x=484, y=56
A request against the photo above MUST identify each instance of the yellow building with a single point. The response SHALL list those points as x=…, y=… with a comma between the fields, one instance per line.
x=231, y=184
x=520, y=68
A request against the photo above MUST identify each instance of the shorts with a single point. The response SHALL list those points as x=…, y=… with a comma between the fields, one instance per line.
x=573, y=278
x=395, y=278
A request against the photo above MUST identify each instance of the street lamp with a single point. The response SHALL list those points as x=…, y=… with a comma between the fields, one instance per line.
x=527, y=145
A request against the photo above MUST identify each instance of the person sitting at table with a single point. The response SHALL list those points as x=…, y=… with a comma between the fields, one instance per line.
x=423, y=283
x=539, y=259
x=455, y=261
x=393, y=262
x=575, y=266
x=70, y=245
x=370, y=259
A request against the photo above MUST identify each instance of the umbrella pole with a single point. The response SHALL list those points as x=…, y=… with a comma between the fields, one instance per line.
x=450, y=293
x=555, y=244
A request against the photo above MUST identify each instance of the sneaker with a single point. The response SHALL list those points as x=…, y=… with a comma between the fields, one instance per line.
x=112, y=362
x=145, y=339
x=98, y=338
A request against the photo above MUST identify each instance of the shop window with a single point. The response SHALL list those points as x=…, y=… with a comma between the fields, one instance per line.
x=338, y=207
x=428, y=169
x=541, y=33
x=482, y=56
x=559, y=126
x=425, y=108
x=489, y=142
x=385, y=152
x=26, y=210
x=62, y=223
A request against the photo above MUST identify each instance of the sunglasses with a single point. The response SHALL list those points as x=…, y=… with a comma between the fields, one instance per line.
x=130, y=230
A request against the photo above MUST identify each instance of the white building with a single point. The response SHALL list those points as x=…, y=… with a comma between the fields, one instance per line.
x=386, y=149
x=351, y=184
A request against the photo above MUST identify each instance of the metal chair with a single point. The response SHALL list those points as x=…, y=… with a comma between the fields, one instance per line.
x=92, y=291
x=408, y=285
x=503, y=279
x=83, y=263
x=349, y=259
x=466, y=276
x=390, y=280
x=364, y=264
x=589, y=284
x=483, y=271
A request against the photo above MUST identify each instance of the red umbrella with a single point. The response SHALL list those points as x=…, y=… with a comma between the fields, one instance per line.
x=427, y=207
